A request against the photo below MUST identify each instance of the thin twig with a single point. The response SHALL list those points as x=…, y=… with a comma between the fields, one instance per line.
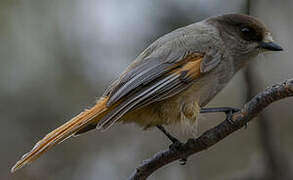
x=216, y=134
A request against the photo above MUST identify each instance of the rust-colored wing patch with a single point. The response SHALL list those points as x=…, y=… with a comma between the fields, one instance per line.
x=190, y=69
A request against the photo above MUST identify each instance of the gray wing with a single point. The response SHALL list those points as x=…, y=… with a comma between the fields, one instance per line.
x=150, y=81
x=142, y=74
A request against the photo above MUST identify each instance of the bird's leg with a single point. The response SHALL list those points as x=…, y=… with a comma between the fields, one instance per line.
x=229, y=111
x=170, y=137
x=176, y=144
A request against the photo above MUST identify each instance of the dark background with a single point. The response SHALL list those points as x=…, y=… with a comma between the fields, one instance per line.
x=58, y=56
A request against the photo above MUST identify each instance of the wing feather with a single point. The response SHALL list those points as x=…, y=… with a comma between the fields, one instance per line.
x=153, y=86
x=135, y=100
x=150, y=68
x=143, y=77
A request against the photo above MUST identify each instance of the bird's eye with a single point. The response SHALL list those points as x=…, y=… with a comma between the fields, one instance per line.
x=249, y=34
x=246, y=30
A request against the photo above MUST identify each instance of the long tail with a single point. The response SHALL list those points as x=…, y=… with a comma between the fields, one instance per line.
x=65, y=131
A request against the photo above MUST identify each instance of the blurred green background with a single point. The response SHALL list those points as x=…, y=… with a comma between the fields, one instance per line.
x=58, y=56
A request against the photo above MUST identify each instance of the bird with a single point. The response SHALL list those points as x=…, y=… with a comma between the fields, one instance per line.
x=172, y=80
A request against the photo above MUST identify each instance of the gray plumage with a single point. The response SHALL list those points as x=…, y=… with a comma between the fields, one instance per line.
x=145, y=80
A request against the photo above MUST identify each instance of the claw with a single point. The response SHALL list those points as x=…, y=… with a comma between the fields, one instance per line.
x=175, y=145
x=229, y=113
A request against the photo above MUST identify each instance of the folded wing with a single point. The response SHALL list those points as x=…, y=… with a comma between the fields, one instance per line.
x=151, y=81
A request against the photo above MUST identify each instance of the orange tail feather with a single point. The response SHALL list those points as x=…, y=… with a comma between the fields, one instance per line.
x=61, y=133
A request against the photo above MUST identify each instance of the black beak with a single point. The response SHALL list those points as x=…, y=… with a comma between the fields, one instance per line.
x=270, y=46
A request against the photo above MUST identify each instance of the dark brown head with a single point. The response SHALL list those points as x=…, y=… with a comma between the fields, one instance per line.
x=244, y=34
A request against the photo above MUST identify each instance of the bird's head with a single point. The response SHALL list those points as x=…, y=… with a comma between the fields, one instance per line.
x=244, y=35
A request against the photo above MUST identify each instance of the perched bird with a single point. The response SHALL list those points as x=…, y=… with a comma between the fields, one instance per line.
x=171, y=80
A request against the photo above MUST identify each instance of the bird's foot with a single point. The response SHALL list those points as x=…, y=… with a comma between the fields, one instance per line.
x=176, y=144
x=229, y=111
x=229, y=114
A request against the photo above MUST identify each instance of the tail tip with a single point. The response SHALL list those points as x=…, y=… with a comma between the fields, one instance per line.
x=18, y=166
x=14, y=168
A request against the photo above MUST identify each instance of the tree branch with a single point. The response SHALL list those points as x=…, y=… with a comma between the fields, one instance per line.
x=216, y=134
